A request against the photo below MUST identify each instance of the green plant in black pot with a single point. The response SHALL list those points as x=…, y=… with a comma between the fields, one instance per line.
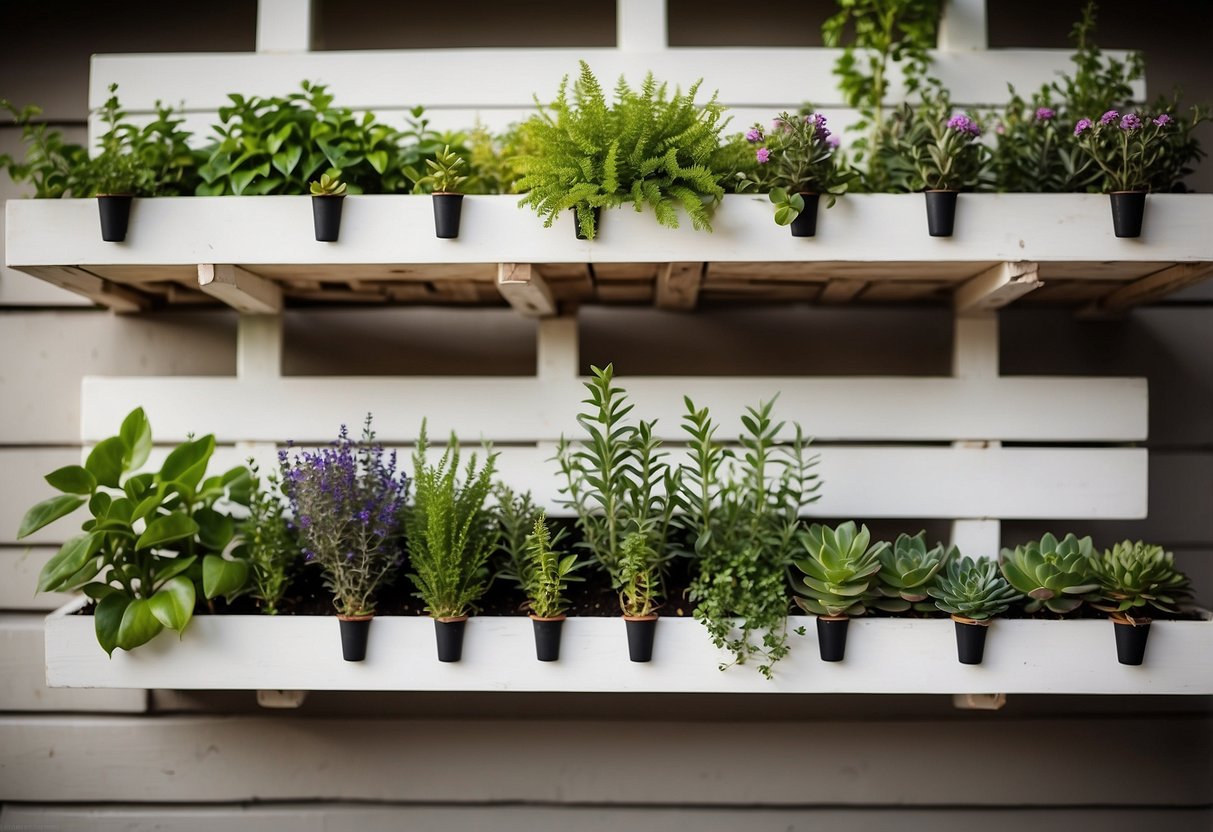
x=907, y=570
x=640, y=594
x=647, y=148
x=838, y=580
x=1056, y=575
x=548, y=575
x=1136, y=578
x=153, y=540
x=328, y=194
x=444, y=181
x=972, y=592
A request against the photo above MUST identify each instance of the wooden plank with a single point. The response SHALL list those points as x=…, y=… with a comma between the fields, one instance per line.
x=23, y=676
x=89, y=285
x=830, y=408
x=284, y=26
x=1157, y=285
x=842, y=290
x=240, y=289
x=20, y=566
x=22, y=486
x=996, y=287
x=678, y=285
x=963, y=25
x=238, y=759
x=525, y=289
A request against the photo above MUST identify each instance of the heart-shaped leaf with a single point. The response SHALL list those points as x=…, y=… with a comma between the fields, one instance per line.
x=223, y=577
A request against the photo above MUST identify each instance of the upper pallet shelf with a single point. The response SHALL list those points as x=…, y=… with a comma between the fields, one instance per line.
x=259, y=253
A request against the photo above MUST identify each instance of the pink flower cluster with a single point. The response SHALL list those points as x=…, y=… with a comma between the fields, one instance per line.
x=1128, y=122
x=961, y=123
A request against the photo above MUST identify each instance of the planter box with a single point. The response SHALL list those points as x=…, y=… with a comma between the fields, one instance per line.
x=883, y=656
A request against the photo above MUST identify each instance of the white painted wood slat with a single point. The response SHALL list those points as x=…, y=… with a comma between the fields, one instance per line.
x=19, y=568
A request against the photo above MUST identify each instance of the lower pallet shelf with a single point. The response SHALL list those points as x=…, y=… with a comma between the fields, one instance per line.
x=884, y=655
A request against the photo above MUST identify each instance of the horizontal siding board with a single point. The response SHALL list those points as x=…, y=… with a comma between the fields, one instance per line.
x=886, y=409
x=23, y=485
x=927, y=763
x=19, y=568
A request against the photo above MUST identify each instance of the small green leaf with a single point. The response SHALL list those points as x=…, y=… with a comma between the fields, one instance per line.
x=223, y=577
x=69, y=560
x=215, y=530
x=105, y=461
x=173, y=603
x=166, y=529
x=139, y=624
x=107, y=619
x=136, y=435
x=47, y=512
x=72, y=479
x=175, y=566
x=187, y=462
x=98, y=591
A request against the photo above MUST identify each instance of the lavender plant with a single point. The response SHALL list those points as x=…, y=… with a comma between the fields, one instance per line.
x=347, y=500
x=1134, y=151
x=937, y=148
x=797, y=156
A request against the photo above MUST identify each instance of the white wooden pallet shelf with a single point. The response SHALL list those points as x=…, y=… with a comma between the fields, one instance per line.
x=259, y=253
x=884, y=655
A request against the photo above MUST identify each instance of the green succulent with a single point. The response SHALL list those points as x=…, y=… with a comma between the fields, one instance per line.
x=906, y=573
x=1056, y=575
x=973, y=589
x=840, y=569
x=328, y=186
x=1136, y=575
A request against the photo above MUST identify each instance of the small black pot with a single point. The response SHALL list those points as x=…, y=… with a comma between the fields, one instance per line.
x=970, y=640
x=354, y=632
x=640, y=637
x=326, y=215
x=1131, y=641
x=547, y=637
x=115, y=216
x=450, y=638
x=1128, y=210
x=448, y=208
x=805, y=224
x=941, y=213
x=832, y=637
x=597, y=212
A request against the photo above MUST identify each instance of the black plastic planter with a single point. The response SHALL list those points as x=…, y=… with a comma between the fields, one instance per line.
x=354, y=632
x=941, y=213
x=1128, y=210
x=447, y=210
x=597, y=212
x=970, y=640
x=805, y=224
x=115, y=216
x=326, y=214
x=1131, y=641
x=641, y=630
x=547, y=637
x=832, y=637
x=449, y=632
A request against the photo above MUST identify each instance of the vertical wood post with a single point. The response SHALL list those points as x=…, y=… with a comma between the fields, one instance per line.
x=556, y=349
x=284, y=25
x=975, y=356
x=641, y=26
x=259, y=347
x=964, y=25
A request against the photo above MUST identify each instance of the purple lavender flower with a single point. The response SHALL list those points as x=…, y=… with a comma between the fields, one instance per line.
x=754, y=134
x=1109, y=117
x=1163, y=120
x=1082, y=126
x=1130, y=122
x=763, y=155
x=961, y=123
x=1045, y=114
x=833, y=141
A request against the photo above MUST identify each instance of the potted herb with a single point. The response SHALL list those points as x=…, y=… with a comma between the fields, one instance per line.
x=450, y=538
x=1057, y=575
x=141, y=555
x=639, y=594
x=796, y=166
x=1134, y=577
x=907, y=570
x=972, y=592
x=270, y=546
x=547, y=579
x=328, y=194
x=346, y=500
x=839, y=580
x=447, y=173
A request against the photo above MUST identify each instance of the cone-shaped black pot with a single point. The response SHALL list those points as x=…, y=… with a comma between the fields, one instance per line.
x=450, y=638
x=448, y=208
x=970, y=640
x=1131, y=641
x=547, y=637
x=115, y=216
x=941, y=213
x=805, y=224
x=354, y=632
x=597, y=212
x=832, y=637
x=1128, y=210
x=641, y=630
x=326, y=215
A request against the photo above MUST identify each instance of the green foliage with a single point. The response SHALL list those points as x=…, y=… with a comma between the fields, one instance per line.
x=142, y=550
x=840, y=572
x=800, y=157
x=549, y=572
x=1137, y=576
x=54, y=167
x=934, y=148
x=328, y=186
x=617, y=481
x=1134, y=151
x=492, y=160
x=883, y=33
x=447, y=173
x=271, y=550
x=741, y=513
x=907, y=570
x=973, y=589
x=450, y=533
x=1034, y=151
x=516, y=516
x=647, y=148
x=640, y=584
x=1056, y=575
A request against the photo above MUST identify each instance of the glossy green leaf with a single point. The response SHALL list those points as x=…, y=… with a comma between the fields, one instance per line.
x=215, y=530
x=187, y=462
x=166, y=529
x=173, y=603
x=105, y=461
x=72, y=479
x=98, y=590
x=69, y=560
x=223, y=577
x=139, y=624
x=172, y=567
x=47, y=512
x=136, y=435
x=107, y=619
x=99, y=504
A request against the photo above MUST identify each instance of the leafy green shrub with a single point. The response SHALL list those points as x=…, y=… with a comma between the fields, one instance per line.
x=935, y=148
x=1055, y=574
x=1138, y=576
x=647, y=148
x=839, y=574
x=152, y=539
x=973, y=589
x=549, y=572
x=907, y=570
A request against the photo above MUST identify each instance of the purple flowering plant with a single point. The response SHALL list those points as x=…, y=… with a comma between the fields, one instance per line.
x=347, y=499
x=1135, y=151
x=797, y=155
x=1034, y=152
x=939, y=148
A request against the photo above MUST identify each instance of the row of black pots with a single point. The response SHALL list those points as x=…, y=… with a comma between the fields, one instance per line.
x=355, y=631
x=326, y=215
x=971, y=639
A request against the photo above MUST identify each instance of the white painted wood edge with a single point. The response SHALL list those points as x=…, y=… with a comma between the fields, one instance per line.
x=884, y=655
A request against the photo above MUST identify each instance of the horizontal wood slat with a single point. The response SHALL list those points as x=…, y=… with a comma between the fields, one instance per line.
x=19, y=568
